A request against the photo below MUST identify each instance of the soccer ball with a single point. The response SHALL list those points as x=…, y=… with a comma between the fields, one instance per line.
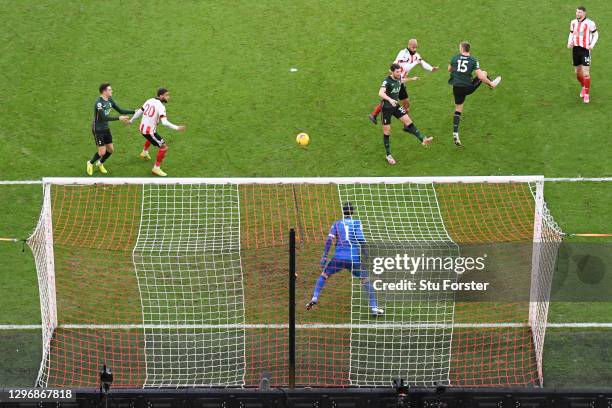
x=302, y=139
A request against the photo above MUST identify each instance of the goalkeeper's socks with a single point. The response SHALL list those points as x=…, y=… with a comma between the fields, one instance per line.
x=372, y=294
x=387, y=142
x=456, y=120
x=106, y=156
x=413, y=130
x=319, y=287
x=95, y=158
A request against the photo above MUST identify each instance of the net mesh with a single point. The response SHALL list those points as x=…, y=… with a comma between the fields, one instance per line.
x=186, y=285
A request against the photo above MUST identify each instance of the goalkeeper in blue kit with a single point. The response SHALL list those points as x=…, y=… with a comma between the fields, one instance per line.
x=350, y=248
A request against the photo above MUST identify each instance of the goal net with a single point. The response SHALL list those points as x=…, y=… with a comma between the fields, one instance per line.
x=183, y=282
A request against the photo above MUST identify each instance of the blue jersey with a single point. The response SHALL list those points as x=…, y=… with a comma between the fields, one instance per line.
x=349, y=239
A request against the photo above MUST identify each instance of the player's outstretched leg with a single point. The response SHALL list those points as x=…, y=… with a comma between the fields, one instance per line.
x=317, y=290
x=144, y=155
x=372, y=116
x=158, y=160
x=410, y=128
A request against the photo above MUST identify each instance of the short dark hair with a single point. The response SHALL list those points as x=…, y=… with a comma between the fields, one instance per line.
x=581, y=8
x=161, y=91
x=465, y=46
x=103, y=86
x=393, y=67
x=347, y=209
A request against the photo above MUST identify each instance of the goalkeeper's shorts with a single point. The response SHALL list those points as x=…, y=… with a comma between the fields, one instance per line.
x=336, y=265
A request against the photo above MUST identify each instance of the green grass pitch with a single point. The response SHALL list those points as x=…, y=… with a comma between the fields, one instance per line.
x=227, y=65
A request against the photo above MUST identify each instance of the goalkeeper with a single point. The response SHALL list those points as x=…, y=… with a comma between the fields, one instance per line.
x=350, y=247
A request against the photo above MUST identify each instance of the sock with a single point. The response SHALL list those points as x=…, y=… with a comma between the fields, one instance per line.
x=413, y=130
x=319, y=287
x=146, y=146
x=456, y=120
x=586, y=82
x=377, y=110
x=370, y=289
x=160, y=157
x=106, y=156
x=387, y=143
x=95, y=158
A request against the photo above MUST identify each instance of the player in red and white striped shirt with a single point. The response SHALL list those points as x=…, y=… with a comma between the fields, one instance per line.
x=407, y=58
x=582, y=38
x=153, y=111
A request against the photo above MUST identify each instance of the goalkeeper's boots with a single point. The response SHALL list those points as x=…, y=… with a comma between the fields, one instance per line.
x=373, y=119
x=311, y=304
x=427, y=141
x=159, y=172
x=144, y=155
x=377, y=311
x=101, y=167
x=89, y=169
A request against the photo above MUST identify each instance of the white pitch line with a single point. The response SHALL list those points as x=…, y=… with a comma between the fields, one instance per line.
x=303, y=326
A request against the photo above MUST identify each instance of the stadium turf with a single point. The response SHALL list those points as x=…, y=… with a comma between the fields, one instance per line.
x=227, y=66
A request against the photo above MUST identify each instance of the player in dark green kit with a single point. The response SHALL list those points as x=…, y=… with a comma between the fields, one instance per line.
x=99, y=127
x=389, y=92
x=461, y=67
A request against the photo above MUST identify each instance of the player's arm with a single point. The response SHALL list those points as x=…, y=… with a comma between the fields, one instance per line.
x=570, y=39
x=382, y=93
x=595, y=37
x=164, y=121
x=120, y=109
x=102, y=115
x=136, y=115
x=428, y=67
x=361, y=239
x=400, y=56
x=328, y=243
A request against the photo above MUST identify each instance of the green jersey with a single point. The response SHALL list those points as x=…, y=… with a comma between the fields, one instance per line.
x=102, y=110
x=392, y=89
x=462, y=68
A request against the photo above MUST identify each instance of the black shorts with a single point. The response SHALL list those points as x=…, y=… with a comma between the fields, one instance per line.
x=461, y=92
x=155, y=139
x=403, y=93
x=102, y=136
x=581, y=56
x=389, y=111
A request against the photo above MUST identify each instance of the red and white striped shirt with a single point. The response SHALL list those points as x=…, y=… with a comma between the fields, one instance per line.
x=153, y=110
x=583, y=33
x=407, y=61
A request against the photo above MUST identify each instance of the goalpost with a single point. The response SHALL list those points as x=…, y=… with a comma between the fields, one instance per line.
x=182, y=282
